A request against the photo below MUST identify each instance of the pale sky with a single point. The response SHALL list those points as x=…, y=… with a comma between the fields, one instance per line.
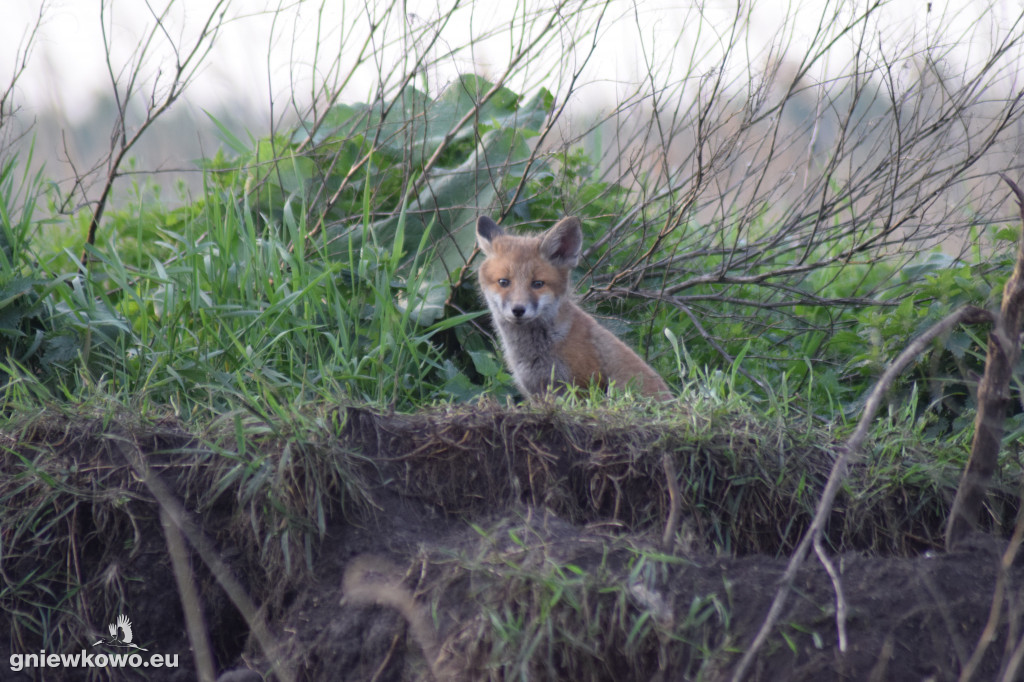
x=262, y=54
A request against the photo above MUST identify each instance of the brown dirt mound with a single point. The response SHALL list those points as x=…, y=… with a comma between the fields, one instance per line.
x=487, y=542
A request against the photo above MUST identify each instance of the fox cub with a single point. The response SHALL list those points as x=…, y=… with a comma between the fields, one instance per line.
x=546, y=336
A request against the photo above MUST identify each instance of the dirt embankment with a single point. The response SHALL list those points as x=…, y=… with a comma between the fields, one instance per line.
x=486, y=542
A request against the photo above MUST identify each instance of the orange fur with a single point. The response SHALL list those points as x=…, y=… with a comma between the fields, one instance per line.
x=547, y=338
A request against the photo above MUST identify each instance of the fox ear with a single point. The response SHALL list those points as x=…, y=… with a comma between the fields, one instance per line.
x=486, y=232
x=561, y=245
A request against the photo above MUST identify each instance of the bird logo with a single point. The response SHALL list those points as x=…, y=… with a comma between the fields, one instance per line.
x=120, y=634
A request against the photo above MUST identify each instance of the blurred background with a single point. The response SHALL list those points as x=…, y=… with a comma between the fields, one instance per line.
x=269, y=63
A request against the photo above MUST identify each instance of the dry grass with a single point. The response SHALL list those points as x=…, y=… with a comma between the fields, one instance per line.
x=748, y=485
x=80, y=528
x=566, y=569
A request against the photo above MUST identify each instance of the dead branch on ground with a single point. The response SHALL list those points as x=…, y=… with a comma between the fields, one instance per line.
x=1004, y=344
x=372, y=580
x=176, y=519
x=849, y=450
x=191, y=606
x=993, y=396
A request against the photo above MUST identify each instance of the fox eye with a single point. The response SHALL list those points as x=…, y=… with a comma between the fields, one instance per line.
x=537, y=284
x=503, y=282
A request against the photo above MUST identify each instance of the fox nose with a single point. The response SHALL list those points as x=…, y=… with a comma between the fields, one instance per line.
x=518, y=310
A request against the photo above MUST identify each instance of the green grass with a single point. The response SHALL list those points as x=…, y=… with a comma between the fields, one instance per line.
x=268, y=486
x=245, y=299
x=224, y=317
x=214, y=340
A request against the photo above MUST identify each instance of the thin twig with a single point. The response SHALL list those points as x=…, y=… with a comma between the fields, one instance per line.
x=674, y=501
x=965, y=314
x=837, y=586
x=121, y=142
x=988, y=634
x=190, y=604
x=252, y=614
x=175, y=513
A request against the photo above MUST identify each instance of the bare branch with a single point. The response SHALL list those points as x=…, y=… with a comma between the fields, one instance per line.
x=849, y=450
x=988, y=634
x=21, y=60
x=1004, y=348
x=124, y=83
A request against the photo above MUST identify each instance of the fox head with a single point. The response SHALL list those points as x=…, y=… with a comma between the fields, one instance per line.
x=523, y=277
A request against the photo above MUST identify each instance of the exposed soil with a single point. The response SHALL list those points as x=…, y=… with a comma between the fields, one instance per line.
x=908, y=618
x=494, y=543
